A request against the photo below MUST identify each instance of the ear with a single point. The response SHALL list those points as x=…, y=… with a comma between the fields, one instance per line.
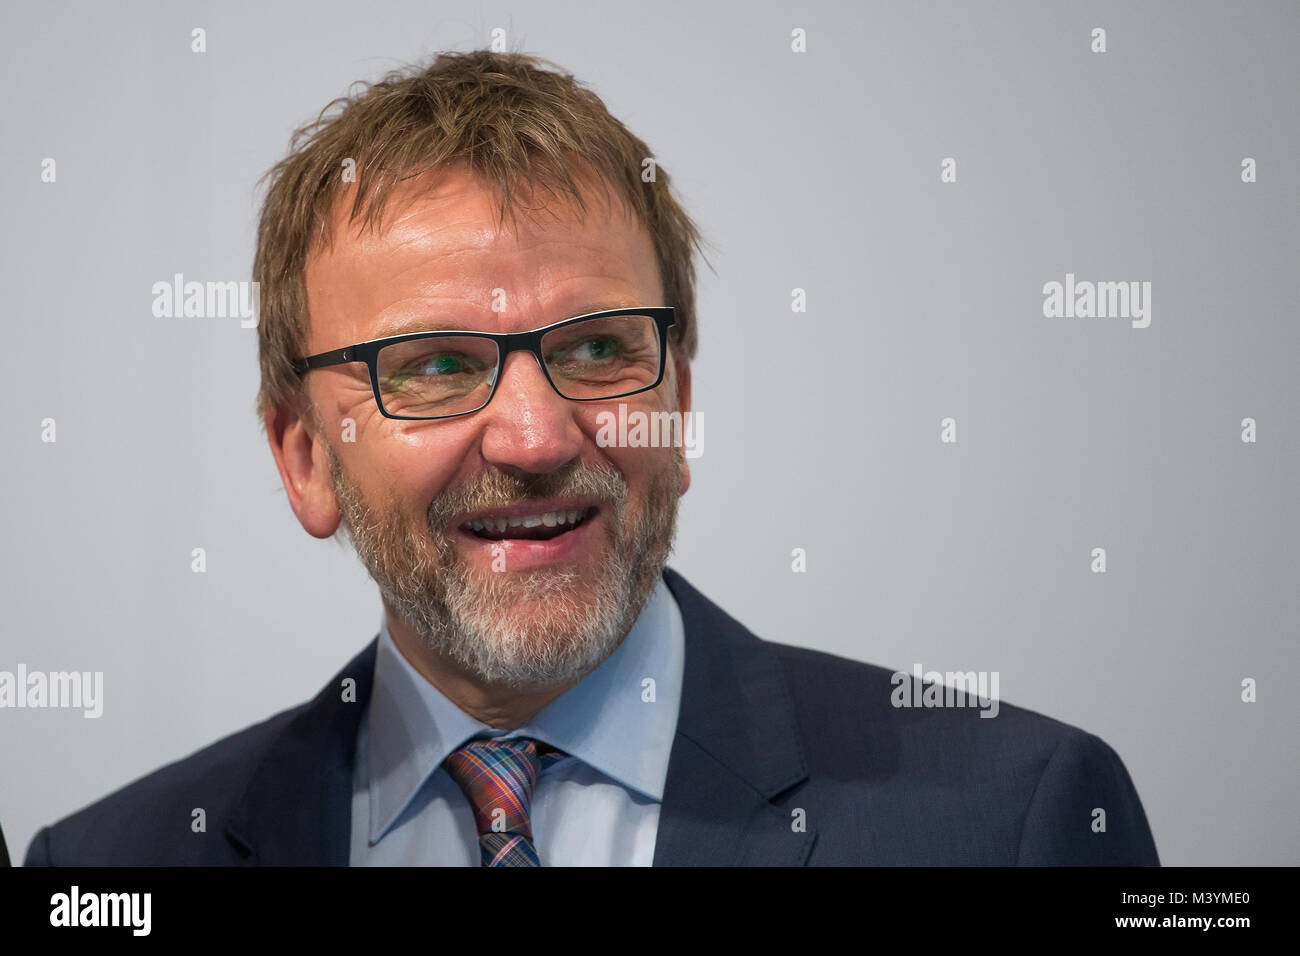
x=682, y=369
x=302, y=457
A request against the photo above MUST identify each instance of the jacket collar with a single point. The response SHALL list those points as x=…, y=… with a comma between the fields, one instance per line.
x=297, y=808
x=736, y=748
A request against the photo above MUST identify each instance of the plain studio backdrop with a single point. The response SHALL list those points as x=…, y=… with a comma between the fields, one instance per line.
x=818, y=171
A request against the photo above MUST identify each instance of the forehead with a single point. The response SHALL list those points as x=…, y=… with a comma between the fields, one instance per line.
x=439, y=256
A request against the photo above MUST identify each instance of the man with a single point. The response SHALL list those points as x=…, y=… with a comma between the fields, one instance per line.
x=465, y=271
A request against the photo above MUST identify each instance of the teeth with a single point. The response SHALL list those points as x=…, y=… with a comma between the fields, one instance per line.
x=550, y=519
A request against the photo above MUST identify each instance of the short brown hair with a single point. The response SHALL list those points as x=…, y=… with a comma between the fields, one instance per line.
x=506, y=117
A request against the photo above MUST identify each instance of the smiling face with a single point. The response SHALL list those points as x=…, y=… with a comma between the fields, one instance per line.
x=508, y=540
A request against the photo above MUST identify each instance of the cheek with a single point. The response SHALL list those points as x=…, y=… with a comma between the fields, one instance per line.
x=644, y=470
x=640, y=454
x=413, y=464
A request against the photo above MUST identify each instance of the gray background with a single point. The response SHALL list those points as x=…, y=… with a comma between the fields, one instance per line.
x=817, y=171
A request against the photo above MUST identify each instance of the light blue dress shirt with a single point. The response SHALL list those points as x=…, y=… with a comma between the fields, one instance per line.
x=597, y=807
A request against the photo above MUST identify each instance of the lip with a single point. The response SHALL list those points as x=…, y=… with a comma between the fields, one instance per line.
x=484, y=554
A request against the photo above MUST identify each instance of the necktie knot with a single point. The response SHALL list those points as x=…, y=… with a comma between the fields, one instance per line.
x=498, y=777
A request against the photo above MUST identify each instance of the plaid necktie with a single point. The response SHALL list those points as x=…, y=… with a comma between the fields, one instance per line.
x=498, y=777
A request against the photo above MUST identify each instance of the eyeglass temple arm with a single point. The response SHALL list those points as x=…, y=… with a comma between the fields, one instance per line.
x=325, y=359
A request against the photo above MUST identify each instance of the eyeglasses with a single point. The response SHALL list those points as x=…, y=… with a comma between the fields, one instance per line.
x=590, y=358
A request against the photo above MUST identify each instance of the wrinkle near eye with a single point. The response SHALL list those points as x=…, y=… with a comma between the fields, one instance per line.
x=357, y=402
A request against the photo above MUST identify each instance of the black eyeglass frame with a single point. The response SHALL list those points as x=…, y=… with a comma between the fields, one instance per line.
x=506, y=342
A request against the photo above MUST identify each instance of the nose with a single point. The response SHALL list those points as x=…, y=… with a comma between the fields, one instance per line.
x=529, y=426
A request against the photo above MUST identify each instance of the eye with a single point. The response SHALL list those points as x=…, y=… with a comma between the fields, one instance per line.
x=441, y=364
x=435, y=367
x=601, y=348
x=598, y=348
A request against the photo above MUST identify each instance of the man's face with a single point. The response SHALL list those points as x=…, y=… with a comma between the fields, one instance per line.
x=540, y=606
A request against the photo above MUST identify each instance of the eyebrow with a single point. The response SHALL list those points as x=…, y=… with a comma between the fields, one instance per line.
x=407, y=326
x=418, y=325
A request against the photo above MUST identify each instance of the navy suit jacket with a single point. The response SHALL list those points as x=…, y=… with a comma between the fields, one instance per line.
x=783, y=756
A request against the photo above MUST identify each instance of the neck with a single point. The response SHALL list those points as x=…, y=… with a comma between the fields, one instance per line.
x=499, y=706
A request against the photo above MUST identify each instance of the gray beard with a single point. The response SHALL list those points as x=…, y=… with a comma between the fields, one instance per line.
x=459, y=615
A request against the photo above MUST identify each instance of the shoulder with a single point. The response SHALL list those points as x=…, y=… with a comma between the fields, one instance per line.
x=842, y=704
x=152, y=819
x=970, y=782
x=1010, y=785
x=838, y=697
x=907, y=771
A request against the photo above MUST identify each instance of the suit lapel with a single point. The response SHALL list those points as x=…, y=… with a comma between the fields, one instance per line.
x=297, y=808
x=736, y=748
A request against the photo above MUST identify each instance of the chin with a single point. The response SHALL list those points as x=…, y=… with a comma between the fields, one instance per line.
x=528, y=653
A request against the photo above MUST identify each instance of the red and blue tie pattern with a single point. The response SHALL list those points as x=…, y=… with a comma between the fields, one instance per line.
x=498, y=777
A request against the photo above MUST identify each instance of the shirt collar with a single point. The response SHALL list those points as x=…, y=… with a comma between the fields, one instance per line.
x=620, y=719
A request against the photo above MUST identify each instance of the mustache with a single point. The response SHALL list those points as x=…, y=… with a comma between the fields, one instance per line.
x=500, y=489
